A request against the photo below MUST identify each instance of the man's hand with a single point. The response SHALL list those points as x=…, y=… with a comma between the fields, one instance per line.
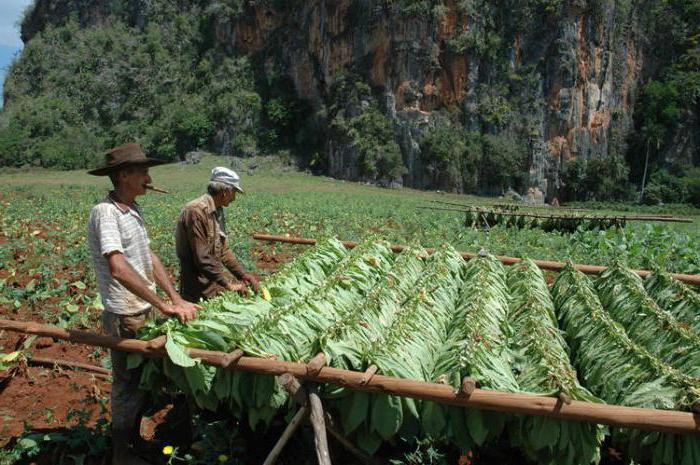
x=237, y=287
x=184, y=311
x=253, y=281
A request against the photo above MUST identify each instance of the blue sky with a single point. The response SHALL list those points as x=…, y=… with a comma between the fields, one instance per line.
x=10, y=43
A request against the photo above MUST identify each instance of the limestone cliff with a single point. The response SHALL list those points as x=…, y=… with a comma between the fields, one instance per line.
x=558, y=77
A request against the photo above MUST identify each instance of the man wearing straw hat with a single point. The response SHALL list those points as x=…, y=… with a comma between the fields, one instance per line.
x=127, y=273
x=202, y=245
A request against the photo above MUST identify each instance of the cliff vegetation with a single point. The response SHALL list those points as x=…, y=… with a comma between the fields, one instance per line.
x=584, y=99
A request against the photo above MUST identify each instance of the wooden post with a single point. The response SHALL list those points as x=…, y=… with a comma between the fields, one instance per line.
x=368, y=374
x=564, y=398
x=51, y=362
x=293, y=425
x=231, y=358
x=299, y=394
x=318, y=423
x=313, y=368
x=468, y=387
x=291, y=385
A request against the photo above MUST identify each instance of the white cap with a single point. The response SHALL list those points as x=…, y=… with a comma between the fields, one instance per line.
x=226, y=176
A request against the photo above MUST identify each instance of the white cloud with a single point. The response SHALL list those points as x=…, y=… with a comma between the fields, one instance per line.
x=10, y=14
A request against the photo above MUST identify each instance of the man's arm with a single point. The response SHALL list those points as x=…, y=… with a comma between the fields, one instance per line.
x=161, y=277
x=237, y=269
x=125, y=274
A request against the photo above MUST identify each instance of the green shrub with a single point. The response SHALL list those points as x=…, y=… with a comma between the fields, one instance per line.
x=664, y=187
x=596, y=179
x=442, y=151
x=111, y=84
x=503, y=164
x=371, y=133
x=691, y=184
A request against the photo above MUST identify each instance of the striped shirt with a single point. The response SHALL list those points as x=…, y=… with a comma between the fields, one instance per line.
x=112, y=228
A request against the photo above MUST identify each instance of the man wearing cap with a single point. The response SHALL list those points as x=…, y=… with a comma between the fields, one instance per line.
x=202, y=245
x=127, y=273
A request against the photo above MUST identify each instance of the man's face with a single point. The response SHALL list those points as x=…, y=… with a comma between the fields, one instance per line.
x=135, y=179
x=228, y=197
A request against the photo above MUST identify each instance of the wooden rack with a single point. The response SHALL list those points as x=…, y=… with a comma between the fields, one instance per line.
x=629, y=417
x=543, y=264
x=555, y=215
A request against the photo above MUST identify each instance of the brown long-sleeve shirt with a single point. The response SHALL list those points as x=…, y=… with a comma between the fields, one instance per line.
x=202, y=248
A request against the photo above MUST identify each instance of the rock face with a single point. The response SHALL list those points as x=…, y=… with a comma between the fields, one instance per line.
x=558, y=76
x=581, y=70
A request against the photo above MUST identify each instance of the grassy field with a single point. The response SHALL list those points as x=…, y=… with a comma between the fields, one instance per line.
x=290, y=202
x=43, y=214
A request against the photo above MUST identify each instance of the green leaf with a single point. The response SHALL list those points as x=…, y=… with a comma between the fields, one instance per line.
x=264, y=386
x=368, y=442
x=544, y=432
x=354, y=410
x=433, y=418
x=211, y=340
x=458, y=427
x=78, y=459
x=78, y=285
x=133, y=360
x=27, y=444
x=177, y=354
x=387, y=415
x=12, y=356
x=476, y=426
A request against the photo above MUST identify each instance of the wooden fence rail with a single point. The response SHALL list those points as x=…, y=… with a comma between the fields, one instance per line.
x=614, y=415
x=557, y=214
x=543, y=264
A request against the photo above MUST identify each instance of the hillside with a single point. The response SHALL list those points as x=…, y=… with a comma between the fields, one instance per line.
x=475, y=96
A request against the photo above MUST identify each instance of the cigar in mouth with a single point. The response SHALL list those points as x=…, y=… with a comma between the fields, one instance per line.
x=155, y=189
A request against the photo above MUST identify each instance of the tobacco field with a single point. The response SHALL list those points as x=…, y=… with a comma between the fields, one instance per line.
x=614, y=339
x=364, y=307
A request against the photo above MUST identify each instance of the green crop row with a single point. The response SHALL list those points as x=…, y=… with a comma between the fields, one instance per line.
x=438, y=318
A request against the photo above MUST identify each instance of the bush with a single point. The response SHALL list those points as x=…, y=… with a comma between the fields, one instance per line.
x=442, y=152
x=373, y=136
x=356, y=121
x=112, y=84
x=503, y=164
x=663, y=187
x=691, y=184
x=597, y=179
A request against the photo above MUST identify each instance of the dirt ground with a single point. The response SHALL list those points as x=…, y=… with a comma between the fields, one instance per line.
x=56, y=398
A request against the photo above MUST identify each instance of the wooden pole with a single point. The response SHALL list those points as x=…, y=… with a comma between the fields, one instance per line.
x=313, y=368
x=318, y=422
x=668, y=421
x=659, y=218
x=367, y=375
x=298, y=393
x=288, y=432
x=468, y=386
x=51, y=362
x=543, y=264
